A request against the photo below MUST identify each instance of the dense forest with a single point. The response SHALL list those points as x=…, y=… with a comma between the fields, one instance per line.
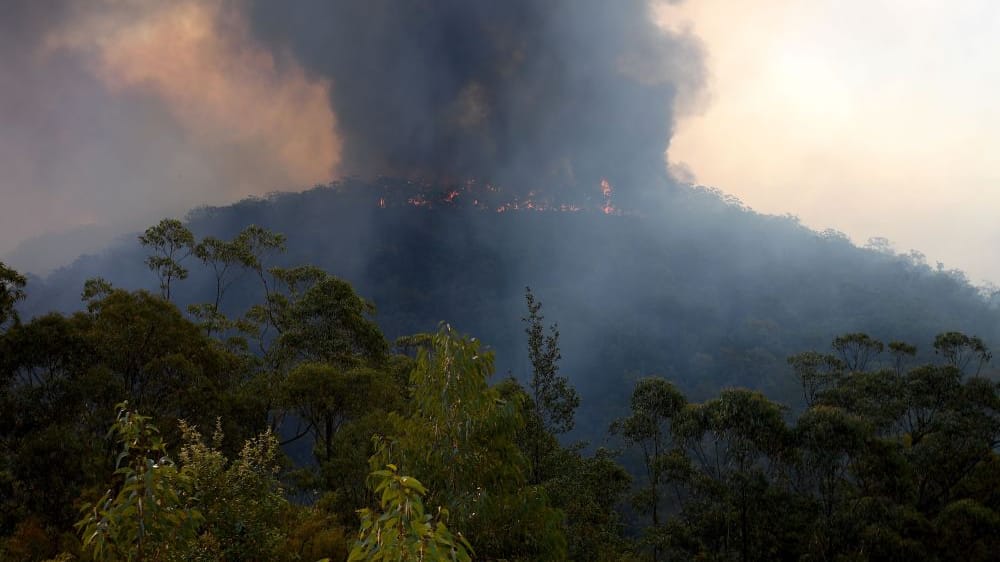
x=244, y=406
x=697, y=288
x=509, y=331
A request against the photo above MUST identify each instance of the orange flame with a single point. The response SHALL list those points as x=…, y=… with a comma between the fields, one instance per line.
x=418, y=201
x=472, y=194
x=607, y=190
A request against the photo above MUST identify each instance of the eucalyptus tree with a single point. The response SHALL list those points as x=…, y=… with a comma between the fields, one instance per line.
x=553, y=401
x=460, y=440
x=737, y=444
x=246, y=252
x=12, y=286
x=170, y=243
x=655, y=406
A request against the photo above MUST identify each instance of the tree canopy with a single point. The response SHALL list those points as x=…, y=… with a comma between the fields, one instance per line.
x=328, y=442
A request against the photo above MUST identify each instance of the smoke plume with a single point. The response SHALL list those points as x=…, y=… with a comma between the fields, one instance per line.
x=530, y=94
x=120, y=112
x=116, y=113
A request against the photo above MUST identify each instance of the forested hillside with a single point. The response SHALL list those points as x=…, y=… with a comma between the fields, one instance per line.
x=696, y=288
x=509, y=328
x=138, y=430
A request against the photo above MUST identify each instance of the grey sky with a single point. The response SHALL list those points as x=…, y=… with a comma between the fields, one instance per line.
x=873, y=117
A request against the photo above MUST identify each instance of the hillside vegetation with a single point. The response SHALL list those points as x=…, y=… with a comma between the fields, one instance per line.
x=245, y=408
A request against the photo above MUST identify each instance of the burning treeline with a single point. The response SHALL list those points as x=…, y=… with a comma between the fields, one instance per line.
x=488, y=197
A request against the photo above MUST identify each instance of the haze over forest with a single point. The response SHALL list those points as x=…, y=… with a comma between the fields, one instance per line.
x=118, y=114
x=288, y=270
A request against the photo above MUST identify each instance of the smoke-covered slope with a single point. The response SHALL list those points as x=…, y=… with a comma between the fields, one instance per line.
x=699, y=290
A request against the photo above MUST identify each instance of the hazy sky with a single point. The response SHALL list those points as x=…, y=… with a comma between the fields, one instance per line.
x=873, y=117
x=120, y=112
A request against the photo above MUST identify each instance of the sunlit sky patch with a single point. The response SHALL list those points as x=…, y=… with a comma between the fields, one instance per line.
x=873, y=117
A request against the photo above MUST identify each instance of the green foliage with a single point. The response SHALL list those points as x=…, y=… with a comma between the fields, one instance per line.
x=314, y=533
x=245, y=252
x=12, y=286
x=254, y=244
x=401, y=530
x=830, y=442
x=327, y=399
x=901, y=352
x=743, y=427
x=460, y=428
x=857, y=350
x=323, y=319
x=222, y=257
x=736, y=443
x=50, y=383
x=340, y=381
x=553, y=401
x=587, y=490
x=160, y=361
x=206, y=508
x=240, y=502
x=95, y=289
x=461, y=438
x=816, y=372
x=61, y=376
x=170, y=243
x=896, y=459
x=887, y=460
x=655, y=406
x=143, y=517
x=960, y=350
x=30, y=541
x=969, y=531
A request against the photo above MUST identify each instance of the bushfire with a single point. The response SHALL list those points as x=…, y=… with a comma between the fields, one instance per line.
x=607, y=191
x=488, y=197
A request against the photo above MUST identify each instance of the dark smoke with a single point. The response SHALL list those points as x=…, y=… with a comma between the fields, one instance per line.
x=114, y=114
x=531, y=94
